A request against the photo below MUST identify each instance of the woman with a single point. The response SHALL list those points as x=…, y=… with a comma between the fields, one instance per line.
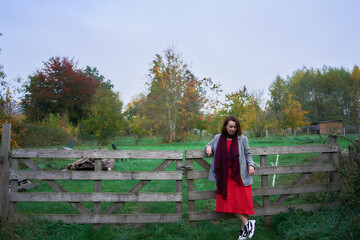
x=232, y=169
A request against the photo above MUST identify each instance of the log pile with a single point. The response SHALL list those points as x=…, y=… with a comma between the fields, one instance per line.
x=24, y=185
x=89, y=164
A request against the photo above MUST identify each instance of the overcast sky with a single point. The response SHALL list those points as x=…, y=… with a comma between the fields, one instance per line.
x=236, y=43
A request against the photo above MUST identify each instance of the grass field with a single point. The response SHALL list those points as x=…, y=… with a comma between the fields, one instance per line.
x=340, y=223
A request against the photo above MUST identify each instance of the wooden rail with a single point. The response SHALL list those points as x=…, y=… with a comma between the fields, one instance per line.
x=76, y=199
x=326, y=162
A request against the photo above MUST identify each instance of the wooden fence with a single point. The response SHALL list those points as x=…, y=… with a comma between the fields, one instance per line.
x=326, y=162
x=97, y=196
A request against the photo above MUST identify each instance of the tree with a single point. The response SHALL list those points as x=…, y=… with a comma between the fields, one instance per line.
x=136, y=119
x=9, y=112
x=60, y=87
x=214, y=121
x=192, y=100
x=327, y=94
x=94, y=72
x=210, y=118
x=246, y=107
x=292, y=115
x=279, y=90
x=256, y=116
x=236, y=104
x=8, y=104
x=355, y=78
x=175, y=96
x=271, y=119
x=106, y=118
x=284, y=111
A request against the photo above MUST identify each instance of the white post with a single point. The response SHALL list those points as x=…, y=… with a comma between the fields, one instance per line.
x=276, y=163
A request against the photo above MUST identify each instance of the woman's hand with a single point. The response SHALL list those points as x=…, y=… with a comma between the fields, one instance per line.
x=209, y=151
x=251, y=170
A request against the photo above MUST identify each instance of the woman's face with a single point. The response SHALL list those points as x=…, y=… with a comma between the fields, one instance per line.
x=231, y=127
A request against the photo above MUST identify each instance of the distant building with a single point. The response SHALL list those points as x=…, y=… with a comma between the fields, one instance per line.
x=323, y=128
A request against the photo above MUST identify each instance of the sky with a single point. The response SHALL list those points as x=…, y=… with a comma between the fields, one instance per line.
x=236, y=43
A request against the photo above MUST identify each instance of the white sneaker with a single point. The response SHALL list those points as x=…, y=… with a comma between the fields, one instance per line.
x=242, y=235
x=250, y=228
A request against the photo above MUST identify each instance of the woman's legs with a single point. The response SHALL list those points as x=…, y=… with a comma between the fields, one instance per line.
x=243, y=218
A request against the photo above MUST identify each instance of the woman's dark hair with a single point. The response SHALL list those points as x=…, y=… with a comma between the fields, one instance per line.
x=226, y=121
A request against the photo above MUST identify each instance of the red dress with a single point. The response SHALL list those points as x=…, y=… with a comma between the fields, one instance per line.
x=239, y=198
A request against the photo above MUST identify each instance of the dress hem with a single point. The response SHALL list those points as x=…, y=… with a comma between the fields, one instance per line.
x=236, y=212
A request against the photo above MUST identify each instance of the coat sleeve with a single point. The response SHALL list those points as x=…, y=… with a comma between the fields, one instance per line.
x=213, y=144
x=247, y=153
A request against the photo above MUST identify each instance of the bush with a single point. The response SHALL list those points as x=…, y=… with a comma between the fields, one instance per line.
x=17, y=129
x=37, y=136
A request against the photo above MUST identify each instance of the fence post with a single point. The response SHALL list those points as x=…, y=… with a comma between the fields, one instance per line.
x=334, y=177
x=190, y=188
x=4, y=172
x=179, y=188
x=97, y=188
x=265, y=183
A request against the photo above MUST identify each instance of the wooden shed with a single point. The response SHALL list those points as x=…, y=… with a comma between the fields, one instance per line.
x=323, y=128
x=329, y=127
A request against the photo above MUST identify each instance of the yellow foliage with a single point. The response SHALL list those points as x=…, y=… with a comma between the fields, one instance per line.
x=17, y=129
x=293, y=115
x=8, y=111
x=355, y=75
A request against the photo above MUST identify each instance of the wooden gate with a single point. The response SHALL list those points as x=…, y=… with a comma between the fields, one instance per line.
x=76, y=199
x=326, y=162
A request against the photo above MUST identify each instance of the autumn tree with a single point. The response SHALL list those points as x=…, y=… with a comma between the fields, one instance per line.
x=193, y=98
x=9, y=107
x=210, y=118
x=213, y=121
x=60, y=87
x=291, y=115
x=175, y=96
x=272, y=119
x=137, y=121
x=236, y=104
x=256, y=119
x=285, y=111
x=246, y=107
x=106, y=118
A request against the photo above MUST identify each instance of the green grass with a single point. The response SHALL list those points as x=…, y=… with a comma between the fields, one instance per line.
x=339, y=223
x=321, y=224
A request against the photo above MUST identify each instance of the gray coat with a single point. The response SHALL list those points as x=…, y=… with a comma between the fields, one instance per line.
x=245, y=159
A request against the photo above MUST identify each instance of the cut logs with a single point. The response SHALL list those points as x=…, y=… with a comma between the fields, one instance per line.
x=88, y=164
